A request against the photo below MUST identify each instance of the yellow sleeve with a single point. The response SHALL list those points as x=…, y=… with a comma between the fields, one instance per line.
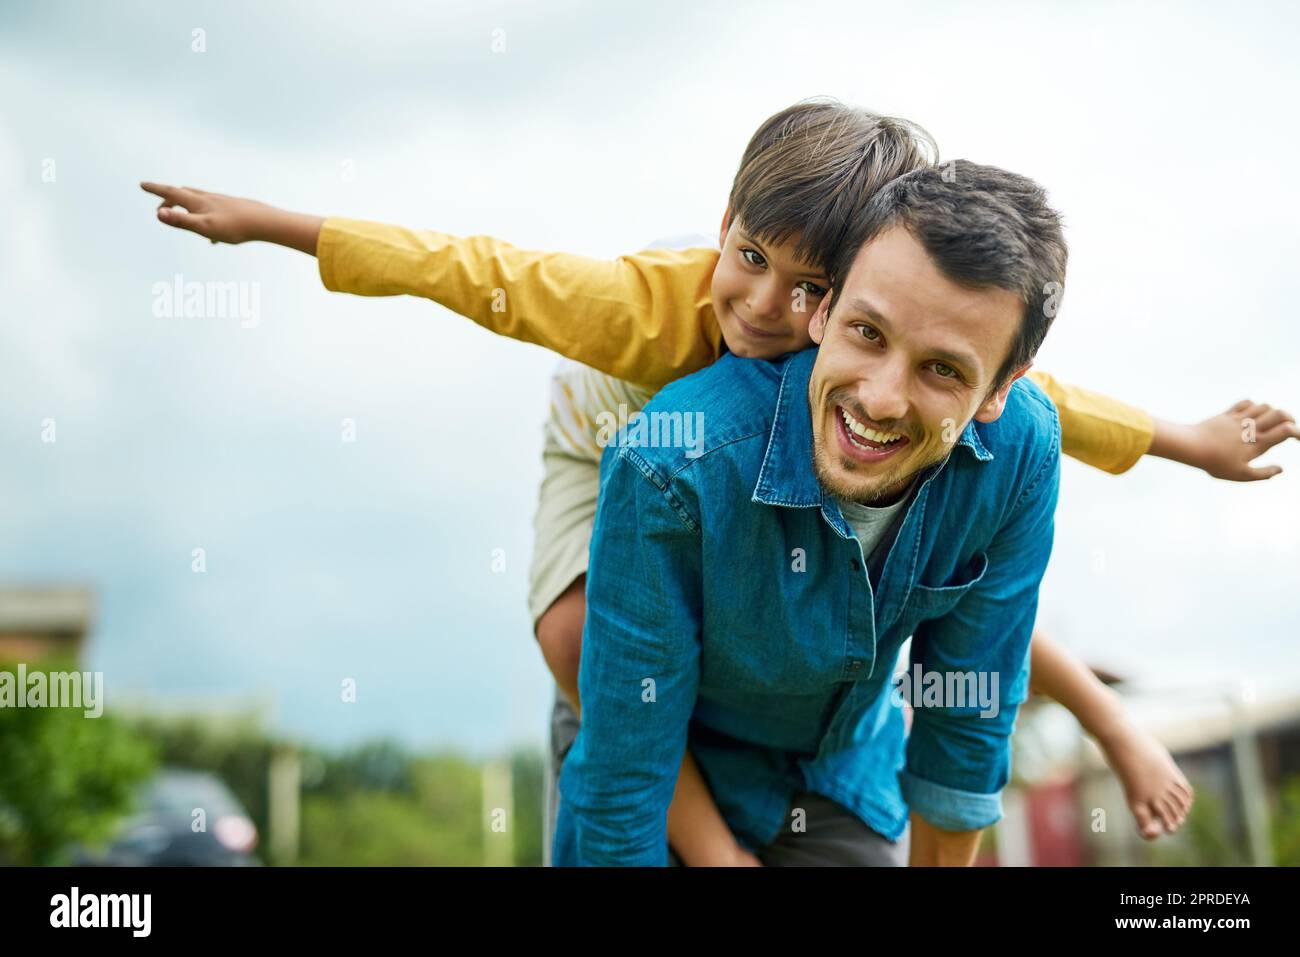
x=1103, y=432
x=647, y=318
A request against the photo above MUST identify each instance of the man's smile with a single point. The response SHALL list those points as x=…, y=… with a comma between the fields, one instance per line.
x=863, y=443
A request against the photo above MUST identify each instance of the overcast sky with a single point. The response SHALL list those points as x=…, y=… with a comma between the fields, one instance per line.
x=1166, y=133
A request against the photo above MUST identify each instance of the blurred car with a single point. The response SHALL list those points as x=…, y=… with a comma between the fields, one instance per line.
x=162, y=832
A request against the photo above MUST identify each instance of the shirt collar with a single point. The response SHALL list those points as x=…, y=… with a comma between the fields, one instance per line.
x=786, y=476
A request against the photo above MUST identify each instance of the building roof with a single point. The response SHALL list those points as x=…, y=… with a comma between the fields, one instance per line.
x=36, y=609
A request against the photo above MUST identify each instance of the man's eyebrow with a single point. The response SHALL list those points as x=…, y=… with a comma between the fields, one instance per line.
x=962, y=360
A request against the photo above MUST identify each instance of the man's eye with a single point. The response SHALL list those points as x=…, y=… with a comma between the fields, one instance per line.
x=812, y=288
x=945, y=370
x=871, y=335
x=753, y=257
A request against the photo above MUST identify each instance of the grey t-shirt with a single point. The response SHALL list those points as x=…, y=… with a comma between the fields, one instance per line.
x=875, y=528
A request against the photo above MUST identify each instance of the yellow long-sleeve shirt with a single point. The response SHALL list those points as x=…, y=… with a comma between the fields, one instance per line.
x=647, y=317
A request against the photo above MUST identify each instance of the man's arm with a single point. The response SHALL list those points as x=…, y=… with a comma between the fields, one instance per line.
x=697, y=831
x=646, y=317
x=640, y=668
x=958, y=754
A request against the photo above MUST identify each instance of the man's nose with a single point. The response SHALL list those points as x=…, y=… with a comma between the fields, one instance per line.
x=883, y=392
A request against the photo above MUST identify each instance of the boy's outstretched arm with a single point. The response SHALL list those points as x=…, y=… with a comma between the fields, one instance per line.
x=1224, y=445
x=1112, y=435
x=646, y=318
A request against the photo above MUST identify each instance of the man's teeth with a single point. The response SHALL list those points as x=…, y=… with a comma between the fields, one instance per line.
x=884, y=438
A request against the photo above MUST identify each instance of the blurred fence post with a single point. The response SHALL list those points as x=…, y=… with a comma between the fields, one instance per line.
x=1250, y=779
x=498, y=813
x=285, y=777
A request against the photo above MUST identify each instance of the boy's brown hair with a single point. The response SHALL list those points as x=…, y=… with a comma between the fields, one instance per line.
x=809, y=171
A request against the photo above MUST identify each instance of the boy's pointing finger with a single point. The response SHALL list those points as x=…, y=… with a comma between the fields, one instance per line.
x=172, y=194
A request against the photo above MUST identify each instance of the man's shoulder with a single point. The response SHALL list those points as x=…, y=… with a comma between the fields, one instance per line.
x=1024, y=441
x=729, y=402
x=730, y=384
x=1028, y=426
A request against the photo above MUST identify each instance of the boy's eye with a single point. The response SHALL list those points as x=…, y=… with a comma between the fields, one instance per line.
x=812, y=288
x=871, y=335
x=753, y=257
x=946, y=371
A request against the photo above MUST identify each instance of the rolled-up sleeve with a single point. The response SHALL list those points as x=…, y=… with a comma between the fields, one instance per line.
x=639, y=673
x=959, y=754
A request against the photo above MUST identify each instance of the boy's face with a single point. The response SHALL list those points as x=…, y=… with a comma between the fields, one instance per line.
x=763, y=297
x=909, y=357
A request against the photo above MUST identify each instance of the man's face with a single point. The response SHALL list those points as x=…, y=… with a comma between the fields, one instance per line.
x=907, y=357
x=763, y=296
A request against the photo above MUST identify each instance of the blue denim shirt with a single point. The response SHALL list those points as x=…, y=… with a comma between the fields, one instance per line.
x=729, y=608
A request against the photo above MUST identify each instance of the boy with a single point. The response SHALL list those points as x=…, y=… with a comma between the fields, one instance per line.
x=658, y=315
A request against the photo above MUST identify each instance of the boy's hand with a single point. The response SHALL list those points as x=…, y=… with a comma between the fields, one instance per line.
x=1224, y=445
x=231, y=219
x=222, y=219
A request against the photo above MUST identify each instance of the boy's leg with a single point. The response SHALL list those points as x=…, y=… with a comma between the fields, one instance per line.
x=833, y=837
x=1157, y=792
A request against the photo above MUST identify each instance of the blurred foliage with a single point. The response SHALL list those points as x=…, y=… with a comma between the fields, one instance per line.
x=380, y=805
x=435, y=818
x=64, y=777
x=374, y=804
x=529, y=770
x=1205, y=839
x=1286, y=824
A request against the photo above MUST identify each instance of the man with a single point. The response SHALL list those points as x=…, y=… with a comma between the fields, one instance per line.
x=898, y=481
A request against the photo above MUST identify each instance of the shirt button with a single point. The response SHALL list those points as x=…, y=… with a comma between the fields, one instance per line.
x=855, y=665
x=855, y=564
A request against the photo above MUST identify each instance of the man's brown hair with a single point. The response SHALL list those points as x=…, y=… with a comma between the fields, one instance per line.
x=982, y=226
x=809, y=171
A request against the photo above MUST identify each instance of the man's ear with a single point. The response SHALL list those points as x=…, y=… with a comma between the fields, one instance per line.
x=992, y=408
x=817, y=324
x=726, y=224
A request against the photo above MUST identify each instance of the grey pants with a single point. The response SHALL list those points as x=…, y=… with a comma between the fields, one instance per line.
x=832, y=835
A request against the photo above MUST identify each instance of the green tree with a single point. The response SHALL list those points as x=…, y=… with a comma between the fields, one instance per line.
x=64, y=778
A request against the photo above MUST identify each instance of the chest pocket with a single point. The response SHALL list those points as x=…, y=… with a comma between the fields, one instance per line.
x=926, y=602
